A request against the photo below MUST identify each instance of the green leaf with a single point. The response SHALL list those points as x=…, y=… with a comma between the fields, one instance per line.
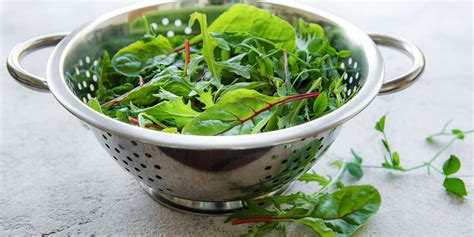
x=320, y=104
x=233, y=65
x=458, y=133
x=258, y=22
x=451, y=165
x=209, y=44
x=238, y=108
x=346, y=210
x=337, y=163
x=170, y=130
x=315, y=45
x=171, y=112
x=455, y=186
x=344, y=53
x=395, y=159
x=205, y=97
x=357, y=157
x=95, y=105
x=309, y=30
x=317, y=225
x=130, y=60
x=355, y=170
x=314, y=177
x=380, y=125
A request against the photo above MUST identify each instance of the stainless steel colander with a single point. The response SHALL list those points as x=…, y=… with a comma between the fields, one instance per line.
x=203, y=174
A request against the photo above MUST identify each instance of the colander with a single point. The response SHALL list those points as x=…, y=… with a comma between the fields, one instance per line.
x=207, y=174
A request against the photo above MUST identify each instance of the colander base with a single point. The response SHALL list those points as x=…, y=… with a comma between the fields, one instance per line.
x=200, y=207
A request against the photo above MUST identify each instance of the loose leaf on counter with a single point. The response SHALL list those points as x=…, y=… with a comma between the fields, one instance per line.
x=339, y=213
x=236, y=108
x=455, y=186
x=132, y=59
x=451, y=166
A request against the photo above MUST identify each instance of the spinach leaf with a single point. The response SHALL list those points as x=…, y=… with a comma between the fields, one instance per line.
x=130, y=60
x=258, y=22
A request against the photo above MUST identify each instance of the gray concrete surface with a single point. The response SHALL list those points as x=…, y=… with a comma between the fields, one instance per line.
x=55, y=178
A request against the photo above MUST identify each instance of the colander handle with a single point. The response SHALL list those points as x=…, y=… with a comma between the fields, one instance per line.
x=409, y=49
x=21, y=50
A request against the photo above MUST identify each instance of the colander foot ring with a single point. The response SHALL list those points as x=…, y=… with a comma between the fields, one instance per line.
x=200, y=207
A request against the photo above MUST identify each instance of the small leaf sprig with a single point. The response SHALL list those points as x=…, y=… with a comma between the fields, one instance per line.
x=454, y=185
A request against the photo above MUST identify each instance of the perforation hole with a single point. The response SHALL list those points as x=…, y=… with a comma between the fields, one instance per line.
x=129, y=158
x=88, y=60
x=79, y=86
x=165, y=21
x=178, y=22
x=188, y=30
x=151, y=180
x=148, y=155
x=143, y=166
x=268, y=167
x=157, y=176
x=88, y=74
x=117, y=150
x=284, y=161
x=350, y=80
x=157, y=167
x=343, y=65
x=80, y=62
x=268, y=177
x=77, y=70
x=349, y=92
x=127, y=169
x=94, y=77
x=125, y=162
x=170, y=33
x=139, y=176
x=84, y=83
x=355, y=65
x=107, y=145
x=84, y=99
x=275, y=181
x=134, y=143
x=137, y=169
x=136, y=155
x=92, y=87
x=115, y=157
x=349, y=61
x=104, y=137
x=169, y=189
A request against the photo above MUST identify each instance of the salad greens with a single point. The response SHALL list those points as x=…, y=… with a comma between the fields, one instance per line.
x=247, y=72
x=328, y=213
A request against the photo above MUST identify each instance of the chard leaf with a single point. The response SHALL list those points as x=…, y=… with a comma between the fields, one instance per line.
x=129, y=61
x=317, y=225
x=344, y=211
x=175, y=112
x=236, y=108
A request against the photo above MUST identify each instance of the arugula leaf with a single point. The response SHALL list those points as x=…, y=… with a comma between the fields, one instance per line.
x=236, y=108
x=344, y=211
x=130, y=60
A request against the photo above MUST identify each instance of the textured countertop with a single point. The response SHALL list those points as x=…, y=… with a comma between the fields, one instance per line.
x=56, y=179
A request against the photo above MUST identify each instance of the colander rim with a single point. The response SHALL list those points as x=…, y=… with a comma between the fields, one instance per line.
x=370, y=89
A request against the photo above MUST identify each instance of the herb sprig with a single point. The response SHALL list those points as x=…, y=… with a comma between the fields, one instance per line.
x=451, y=165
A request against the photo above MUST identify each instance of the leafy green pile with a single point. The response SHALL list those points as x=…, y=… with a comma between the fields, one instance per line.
x=248, y=72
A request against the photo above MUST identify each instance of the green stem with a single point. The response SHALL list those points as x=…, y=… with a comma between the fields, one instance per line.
x=333, y=181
